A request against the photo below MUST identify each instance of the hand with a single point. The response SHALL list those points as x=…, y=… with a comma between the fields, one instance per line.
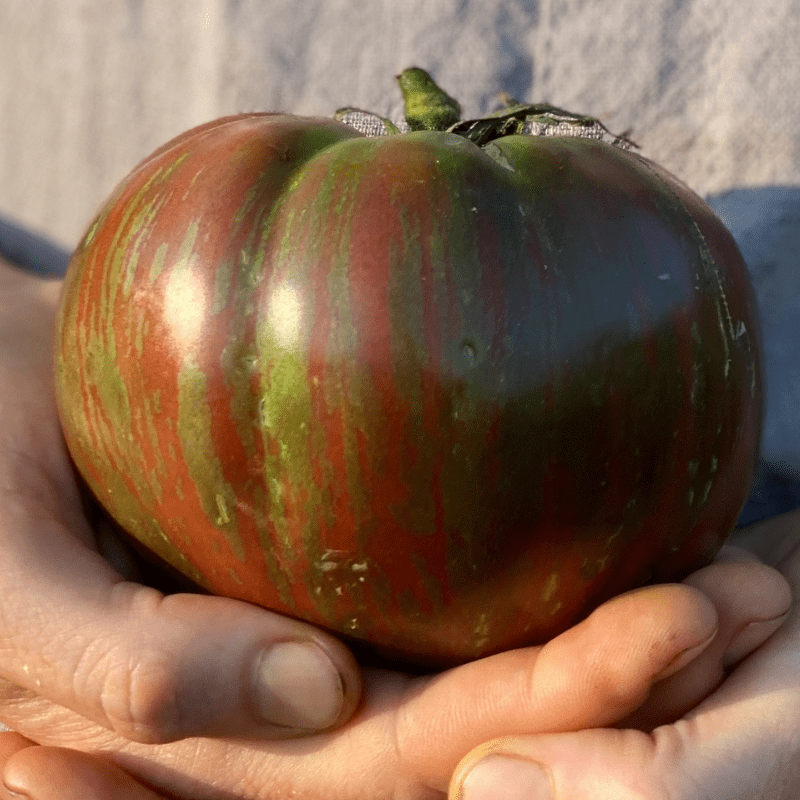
x=72, y=630
x=403, y=743
x=741, y=743
x=653, y=652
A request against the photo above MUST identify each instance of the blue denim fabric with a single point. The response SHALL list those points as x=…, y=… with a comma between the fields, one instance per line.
x=770, y=496
x=31, y=252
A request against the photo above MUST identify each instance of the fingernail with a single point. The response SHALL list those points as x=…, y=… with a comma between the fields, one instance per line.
x=297, y=686
x=751, y=637
x=684, y=657
x=503, y=777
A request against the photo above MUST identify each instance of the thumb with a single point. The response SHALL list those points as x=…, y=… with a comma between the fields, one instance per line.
x=596, y=673
x=603, y=763
x=157, y=668
x=738, y=744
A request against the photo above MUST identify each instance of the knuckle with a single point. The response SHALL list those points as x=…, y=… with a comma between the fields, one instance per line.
x=142, y=688
x=614, y=691
x=673, y=747
x=607, y=677
x=140, y=697
x=637, y=768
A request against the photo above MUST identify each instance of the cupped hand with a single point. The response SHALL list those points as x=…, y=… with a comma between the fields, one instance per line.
x=149, y=667
x=627, y=658
x=740, y=743
x=97, y=664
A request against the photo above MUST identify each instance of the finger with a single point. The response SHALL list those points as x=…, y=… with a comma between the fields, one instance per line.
x=738, y=744
x=10, y=743
x=156, y=668
x=54, y=773
x=592, y=675
x=752, y=601
x=603, y=764
x=352, y=764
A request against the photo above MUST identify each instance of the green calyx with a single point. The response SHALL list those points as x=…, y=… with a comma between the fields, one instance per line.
x=430, y=108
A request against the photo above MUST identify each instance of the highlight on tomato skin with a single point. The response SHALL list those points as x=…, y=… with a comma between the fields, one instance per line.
x=440, y=397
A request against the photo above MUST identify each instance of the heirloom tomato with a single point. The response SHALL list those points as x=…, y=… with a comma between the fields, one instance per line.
x=441, y=391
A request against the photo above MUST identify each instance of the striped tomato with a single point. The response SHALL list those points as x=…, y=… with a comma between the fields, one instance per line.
x=439, y=391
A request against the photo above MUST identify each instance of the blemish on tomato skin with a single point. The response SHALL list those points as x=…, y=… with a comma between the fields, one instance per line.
x=550, y=587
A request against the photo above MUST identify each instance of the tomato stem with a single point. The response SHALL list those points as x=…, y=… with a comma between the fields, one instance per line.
x=427, y=107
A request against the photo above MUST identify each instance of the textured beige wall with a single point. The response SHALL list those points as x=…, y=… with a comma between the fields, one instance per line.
x=87, y=87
